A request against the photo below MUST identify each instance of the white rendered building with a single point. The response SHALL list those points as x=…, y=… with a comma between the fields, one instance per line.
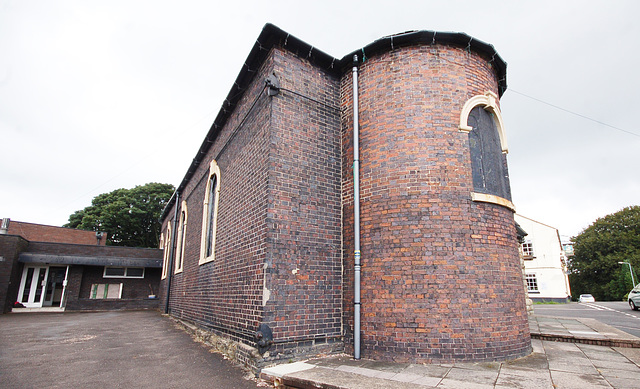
x=544, y=261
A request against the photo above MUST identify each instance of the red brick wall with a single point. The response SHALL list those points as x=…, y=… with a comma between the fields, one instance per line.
x=42, y=233
x=441, y=277
x=98, y=251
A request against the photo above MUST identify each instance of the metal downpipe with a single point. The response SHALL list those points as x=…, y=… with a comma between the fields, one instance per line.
x=356, y=214
x=172, y=253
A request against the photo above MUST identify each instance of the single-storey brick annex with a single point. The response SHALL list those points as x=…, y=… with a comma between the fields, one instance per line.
x=261, y=248
x=58, y=269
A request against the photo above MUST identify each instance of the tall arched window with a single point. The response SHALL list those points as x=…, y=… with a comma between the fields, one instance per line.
x=210, y=214
x=182, y=233
x=167, y=249
x=481, y=118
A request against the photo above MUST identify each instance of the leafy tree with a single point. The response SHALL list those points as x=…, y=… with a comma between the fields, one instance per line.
x=129, y=217
x=598, y=249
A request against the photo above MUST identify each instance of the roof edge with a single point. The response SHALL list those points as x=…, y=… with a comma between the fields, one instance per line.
x=271, y=36
x=412, y=38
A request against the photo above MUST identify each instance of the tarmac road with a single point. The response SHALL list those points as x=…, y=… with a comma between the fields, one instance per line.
x=133, y=349
x=614, y=313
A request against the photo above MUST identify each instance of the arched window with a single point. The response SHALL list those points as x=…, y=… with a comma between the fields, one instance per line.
x=167, y=249
x=182, y=233
x=210, y=214
x=481, y=119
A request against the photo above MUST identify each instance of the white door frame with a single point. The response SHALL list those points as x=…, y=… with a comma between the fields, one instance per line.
x=37, y=272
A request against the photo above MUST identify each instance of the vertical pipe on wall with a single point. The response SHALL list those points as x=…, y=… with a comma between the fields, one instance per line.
x=172, y=253
x=356, y=214
x=63, y=299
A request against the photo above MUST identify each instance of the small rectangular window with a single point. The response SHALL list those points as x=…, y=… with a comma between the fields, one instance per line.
x=123, y=272
x=114, y=271
x=135, y=272
x=106, y=291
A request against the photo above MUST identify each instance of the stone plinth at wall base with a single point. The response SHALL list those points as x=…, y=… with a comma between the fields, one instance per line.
x=240, y=353
x=248, y=356
x=529, y=306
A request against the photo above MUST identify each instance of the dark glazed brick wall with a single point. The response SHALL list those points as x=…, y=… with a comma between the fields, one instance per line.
x=279, y=214
x=225, y=295
x=304, y=262
x=441, y=278
x=135, y=291
x=10, y=269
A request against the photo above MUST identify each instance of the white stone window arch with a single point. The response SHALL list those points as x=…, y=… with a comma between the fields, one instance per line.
x=210, y=214
x=181, y=237
x=489, y=102
x=488, y=155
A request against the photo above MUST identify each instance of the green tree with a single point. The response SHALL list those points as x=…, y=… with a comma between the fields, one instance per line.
x=129, y=217
x=594, y=267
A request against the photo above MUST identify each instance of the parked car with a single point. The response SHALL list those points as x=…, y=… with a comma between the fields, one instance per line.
x=634, y=298
x=586, y=298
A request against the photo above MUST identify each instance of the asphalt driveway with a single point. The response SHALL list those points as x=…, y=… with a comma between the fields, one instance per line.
x=134, y=349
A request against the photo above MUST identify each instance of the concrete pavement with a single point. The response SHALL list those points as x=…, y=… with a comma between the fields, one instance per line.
x=567, y=353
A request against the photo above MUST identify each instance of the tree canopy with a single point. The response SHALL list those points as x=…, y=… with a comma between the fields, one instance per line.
x=129, y=217
x=595, y=266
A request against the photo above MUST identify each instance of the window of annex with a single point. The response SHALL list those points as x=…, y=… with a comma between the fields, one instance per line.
x=181, y=235
x=210, y=215
x=167, y=249
x=106, y=291
x=481, y=119
x=123, y=272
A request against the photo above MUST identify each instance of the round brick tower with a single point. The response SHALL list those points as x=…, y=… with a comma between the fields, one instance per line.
x=441, y=274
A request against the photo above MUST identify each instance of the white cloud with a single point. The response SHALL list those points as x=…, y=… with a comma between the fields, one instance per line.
x=93, y=95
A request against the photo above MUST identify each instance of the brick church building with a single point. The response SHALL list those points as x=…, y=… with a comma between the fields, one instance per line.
x=265, y=250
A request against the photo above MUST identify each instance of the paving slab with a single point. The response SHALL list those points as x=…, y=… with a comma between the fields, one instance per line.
x=448, y=383
x=438, y=371
x=632, y=354
x=331, y=378
x=531, y=379
x=475, y=376
x=533, y=361
x=567, y=380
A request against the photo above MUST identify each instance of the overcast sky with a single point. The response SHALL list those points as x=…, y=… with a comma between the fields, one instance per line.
x=100, y=95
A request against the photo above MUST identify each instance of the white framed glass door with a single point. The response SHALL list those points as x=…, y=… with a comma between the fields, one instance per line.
x=54, y=286
x=32, y=286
